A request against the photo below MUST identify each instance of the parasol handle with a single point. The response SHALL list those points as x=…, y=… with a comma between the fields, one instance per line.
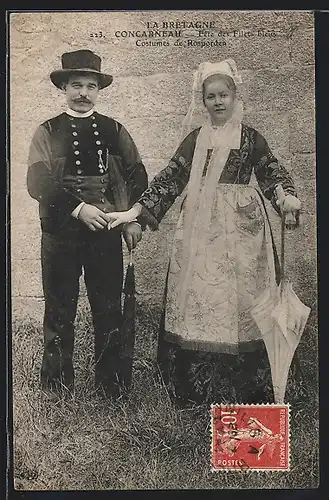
x=281, y=195
x=283, y=231
x=131, y=257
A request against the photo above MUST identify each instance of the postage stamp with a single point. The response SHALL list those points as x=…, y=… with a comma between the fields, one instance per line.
x=250, y=437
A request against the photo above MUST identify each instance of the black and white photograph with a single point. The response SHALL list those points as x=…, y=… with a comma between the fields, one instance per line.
x=164, y=330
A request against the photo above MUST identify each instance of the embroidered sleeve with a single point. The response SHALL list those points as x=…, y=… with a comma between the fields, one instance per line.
x=168, y=184
x=41, y=184
x=269, y=172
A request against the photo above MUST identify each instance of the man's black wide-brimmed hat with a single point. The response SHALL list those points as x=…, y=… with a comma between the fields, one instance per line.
x=84, y=61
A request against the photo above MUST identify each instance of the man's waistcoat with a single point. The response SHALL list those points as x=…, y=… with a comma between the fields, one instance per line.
x=81, y=149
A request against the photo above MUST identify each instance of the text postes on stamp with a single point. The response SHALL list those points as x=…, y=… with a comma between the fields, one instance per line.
x=250, y=437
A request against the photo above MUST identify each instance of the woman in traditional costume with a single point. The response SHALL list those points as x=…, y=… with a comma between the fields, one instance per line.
x=223, y=256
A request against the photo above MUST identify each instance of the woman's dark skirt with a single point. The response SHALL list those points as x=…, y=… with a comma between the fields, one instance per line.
x=209, y=377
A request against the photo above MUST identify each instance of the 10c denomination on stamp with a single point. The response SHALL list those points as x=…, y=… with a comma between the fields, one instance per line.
x=250, y=437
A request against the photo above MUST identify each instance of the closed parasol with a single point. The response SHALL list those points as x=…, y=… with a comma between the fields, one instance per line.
x=281, y=318
x=128, y=324
x=116, y=358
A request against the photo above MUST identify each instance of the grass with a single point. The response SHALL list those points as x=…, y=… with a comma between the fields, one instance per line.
x=142, y=441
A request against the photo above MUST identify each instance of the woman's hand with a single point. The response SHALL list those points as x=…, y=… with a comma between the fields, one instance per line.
x=116, y=218
x=289, y=204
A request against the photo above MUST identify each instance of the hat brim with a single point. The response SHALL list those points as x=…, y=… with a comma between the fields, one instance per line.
x=60, y=75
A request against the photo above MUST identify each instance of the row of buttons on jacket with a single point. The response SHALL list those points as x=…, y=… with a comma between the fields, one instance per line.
x=76, y=143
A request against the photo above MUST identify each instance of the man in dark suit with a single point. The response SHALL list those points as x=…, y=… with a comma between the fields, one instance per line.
x=81, y=165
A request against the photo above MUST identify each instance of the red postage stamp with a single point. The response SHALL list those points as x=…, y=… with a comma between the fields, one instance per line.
x=250, y=437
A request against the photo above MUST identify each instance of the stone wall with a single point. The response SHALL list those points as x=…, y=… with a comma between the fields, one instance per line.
x=150, y=96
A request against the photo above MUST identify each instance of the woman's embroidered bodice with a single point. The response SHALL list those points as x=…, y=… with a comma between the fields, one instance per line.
x=254, y=155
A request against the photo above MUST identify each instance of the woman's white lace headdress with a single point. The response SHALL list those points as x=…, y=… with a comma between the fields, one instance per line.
x=206, y=69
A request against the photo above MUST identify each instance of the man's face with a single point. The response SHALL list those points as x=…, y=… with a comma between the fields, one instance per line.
x=81, y=92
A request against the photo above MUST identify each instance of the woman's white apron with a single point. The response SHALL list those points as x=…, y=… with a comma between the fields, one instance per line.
x=231, y=266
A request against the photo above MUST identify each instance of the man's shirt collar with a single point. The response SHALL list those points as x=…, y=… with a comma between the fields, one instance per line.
x=75, y=114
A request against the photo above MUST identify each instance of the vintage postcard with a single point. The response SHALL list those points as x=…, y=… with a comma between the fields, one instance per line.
x=163, y=250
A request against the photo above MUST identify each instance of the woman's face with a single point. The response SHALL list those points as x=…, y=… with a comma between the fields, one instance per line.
x=218, y=97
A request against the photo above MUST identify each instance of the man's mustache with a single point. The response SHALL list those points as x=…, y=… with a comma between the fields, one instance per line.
x=82, y=100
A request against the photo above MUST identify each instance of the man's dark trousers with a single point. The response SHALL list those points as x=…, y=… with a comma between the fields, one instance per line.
x=64, y=253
